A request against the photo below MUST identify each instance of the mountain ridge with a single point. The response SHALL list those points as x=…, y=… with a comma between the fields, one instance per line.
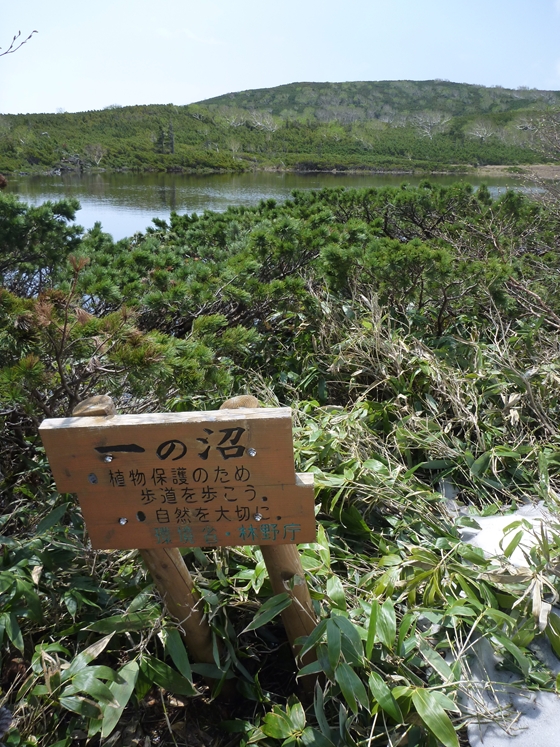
x=397, y=126
x=361, y=100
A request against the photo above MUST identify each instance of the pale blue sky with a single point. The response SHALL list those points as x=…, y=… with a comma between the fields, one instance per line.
x=88, y=55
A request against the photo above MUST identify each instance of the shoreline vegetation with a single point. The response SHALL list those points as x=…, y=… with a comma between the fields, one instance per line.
x=546, y=171
x=535, y=173
x=414, y=333
x=398, y=127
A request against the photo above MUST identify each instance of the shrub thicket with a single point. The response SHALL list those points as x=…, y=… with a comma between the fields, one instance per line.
x=415, y=333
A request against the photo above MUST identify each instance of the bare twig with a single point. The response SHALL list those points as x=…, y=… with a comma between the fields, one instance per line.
x=15, y=44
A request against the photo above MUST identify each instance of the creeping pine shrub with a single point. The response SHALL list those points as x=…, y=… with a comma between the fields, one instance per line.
x=414, y=334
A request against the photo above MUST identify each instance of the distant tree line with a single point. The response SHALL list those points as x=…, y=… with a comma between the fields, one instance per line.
x=292, y=128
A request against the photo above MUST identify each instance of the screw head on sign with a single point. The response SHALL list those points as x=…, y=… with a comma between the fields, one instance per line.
x=108, y=458
x=123, y=521
x=92, y=478
x=252, y=452
x=258, y=517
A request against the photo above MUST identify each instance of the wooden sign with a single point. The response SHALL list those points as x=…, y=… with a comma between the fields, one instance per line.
x=195, y=479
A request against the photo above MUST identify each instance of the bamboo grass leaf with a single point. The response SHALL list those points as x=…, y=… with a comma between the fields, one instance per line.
x=166, y=677
x=387, y=624
x=515, y=651
x=512, y=546
x=13, y=630
x=436, y=661
x=312, y=640
x=434, y=716
x=335, y=592
x=51, y=519
x=297, y=716
x=176, y=649
x=372, y=627
x=277, y=724
x=333, y=643
x=269, y=610
x=319, y=710
x=86, y=656
x=310, y=737
x=352, y=687
x=126, y=622
x=380, y=691
x=480, y=465
x=81, y=705
x=350, y=635
x=122, y=692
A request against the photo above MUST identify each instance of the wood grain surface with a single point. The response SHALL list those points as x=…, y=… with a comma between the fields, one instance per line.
x=212, y=478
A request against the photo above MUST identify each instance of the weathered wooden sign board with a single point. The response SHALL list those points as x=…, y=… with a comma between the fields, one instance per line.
x=196, y=479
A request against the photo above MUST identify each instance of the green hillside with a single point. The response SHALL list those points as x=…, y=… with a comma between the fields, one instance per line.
x=382, y=126
x=383, y=100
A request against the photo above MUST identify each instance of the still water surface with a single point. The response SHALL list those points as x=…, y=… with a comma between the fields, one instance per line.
x=126, y=203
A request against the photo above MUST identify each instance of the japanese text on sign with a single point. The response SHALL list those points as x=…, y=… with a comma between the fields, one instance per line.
x=195, y=479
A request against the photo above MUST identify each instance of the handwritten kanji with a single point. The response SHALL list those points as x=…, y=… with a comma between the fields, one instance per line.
x=116, y=478
x=137, y=478
x=243, y=513
x=179, y=476
x=148, y=496
x=168, y=495
x=222, y=513
x=210, y=536
x=269, y=531
x=208, y=493
x=182, y=515
x=158, y=476
x=185, y=535
x=163, y=535
x=231, y=436
x=290, y=531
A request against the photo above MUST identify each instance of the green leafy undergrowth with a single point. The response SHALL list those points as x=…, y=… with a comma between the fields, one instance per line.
x=414, y=334
x=400, y=599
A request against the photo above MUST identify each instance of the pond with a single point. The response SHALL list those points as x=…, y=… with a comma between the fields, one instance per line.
x=126, y=203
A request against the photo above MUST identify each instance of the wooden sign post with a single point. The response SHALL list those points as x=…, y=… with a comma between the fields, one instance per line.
x=158, y=482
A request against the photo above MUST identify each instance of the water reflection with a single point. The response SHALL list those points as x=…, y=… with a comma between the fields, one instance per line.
x=126, y=203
